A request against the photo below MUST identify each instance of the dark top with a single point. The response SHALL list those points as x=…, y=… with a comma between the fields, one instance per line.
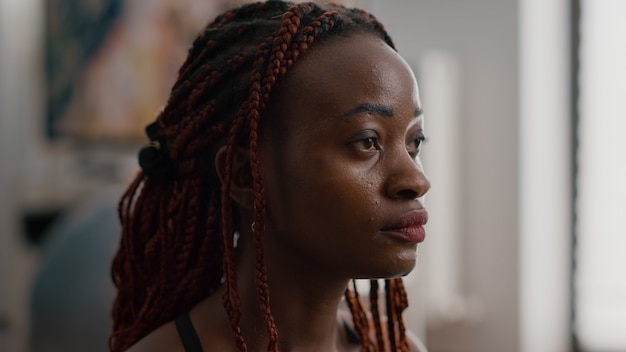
x=187, y=333
x=191, y=342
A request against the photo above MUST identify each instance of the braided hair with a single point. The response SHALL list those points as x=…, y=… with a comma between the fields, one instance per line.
x=177, y=244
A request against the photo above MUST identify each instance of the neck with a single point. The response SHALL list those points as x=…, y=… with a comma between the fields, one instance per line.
x=303, y=303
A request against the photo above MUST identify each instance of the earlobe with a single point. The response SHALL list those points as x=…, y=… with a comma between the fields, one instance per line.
x=241, y=191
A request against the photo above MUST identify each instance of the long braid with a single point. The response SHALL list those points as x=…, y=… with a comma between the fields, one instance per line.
x=402, y=303
x=259, y=96
x=361, y=322
x=374, y=290
x=259, y=212
x=231, y=297
x=396, y=302
x=177, y=227
x=391, y=315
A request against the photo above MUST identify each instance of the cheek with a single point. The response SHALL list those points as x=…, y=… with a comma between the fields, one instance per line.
x=352, y=198
x=323, y=195
x=340, y=211
x=328, y=212
x=340, y=187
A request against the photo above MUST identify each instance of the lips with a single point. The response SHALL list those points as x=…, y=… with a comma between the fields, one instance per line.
x=409, y=226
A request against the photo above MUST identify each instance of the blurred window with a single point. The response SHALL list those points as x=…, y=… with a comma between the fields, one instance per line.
x=600, y=299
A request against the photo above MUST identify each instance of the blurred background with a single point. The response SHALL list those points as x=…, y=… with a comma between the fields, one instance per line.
x=524, y=103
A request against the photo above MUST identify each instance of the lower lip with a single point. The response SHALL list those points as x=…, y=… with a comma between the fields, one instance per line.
x=413, y=234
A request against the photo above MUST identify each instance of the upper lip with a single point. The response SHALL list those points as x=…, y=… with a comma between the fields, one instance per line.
x=409, y=219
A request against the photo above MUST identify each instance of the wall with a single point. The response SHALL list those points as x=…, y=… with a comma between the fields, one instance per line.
x=19, y=91
x=483, y=36
x=514, y=180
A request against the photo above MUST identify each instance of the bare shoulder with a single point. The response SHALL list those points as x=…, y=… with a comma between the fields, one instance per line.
x=163, y=339
x=344, y=318
x=415, y=343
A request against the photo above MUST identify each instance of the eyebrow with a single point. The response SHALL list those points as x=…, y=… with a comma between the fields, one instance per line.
x=383, y=110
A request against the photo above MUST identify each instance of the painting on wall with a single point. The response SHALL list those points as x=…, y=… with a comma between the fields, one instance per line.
x=110, y=64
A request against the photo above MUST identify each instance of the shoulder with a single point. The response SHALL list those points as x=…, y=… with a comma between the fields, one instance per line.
x=163, y=339
x=415, y=343
x=344, y=319
x=210, y=327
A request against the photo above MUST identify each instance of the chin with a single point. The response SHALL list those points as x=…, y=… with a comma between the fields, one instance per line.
x=404, y=263
x=390, y=270
x=401, y=271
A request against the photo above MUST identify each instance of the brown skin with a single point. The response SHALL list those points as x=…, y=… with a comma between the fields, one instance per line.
x=333, y=179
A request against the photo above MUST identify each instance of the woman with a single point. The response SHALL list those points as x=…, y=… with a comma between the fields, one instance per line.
x=284, y=166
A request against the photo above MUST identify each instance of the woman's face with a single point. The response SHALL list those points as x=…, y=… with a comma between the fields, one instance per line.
x=340, y=162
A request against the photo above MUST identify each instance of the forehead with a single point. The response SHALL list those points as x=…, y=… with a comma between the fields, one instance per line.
x=363, y=59
x=360, y=61
x=338, y=75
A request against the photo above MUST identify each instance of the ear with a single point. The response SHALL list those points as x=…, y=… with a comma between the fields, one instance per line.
x=241, y=191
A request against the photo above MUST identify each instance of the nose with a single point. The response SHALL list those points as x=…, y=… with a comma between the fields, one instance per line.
x=406, y=178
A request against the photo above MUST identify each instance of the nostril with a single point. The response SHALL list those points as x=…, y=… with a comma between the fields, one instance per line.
x=407, y=194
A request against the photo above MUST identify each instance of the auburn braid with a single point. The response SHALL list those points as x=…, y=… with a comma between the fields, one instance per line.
x=401, y=303
x=396, y=303
x=360, y=319
x=177, y=243
x=374, y=308
x=391, y=315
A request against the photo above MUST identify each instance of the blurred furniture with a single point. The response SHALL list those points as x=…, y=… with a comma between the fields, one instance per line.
x=72, y=293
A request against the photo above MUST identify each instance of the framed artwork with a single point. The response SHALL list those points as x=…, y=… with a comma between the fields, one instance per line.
x=110, y=64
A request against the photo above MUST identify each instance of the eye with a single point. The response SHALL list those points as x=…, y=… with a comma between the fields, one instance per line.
x=368, y=144
x=413, y=147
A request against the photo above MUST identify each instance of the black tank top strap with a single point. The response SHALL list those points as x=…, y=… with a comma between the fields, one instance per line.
x=191, y=342
x=187, y=333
